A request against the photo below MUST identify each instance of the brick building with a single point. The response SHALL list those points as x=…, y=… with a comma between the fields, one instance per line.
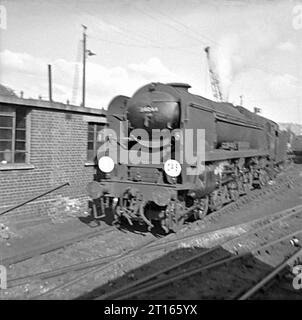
x=42, y=146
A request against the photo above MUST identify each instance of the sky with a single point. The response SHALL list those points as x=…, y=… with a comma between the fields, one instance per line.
x=255, y=45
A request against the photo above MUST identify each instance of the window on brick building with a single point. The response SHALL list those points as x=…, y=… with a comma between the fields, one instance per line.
x=93, y=143
x=13, y=146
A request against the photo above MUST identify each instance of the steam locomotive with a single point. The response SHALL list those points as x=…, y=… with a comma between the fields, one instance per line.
x=241, y=151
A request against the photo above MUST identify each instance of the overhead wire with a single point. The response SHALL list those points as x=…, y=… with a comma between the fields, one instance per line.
x=143, y=46
x=185, y=26
x=136, y=37
x=192, y=36
x=139, y=37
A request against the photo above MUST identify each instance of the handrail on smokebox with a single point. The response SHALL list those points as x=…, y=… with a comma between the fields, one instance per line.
x=39, y=196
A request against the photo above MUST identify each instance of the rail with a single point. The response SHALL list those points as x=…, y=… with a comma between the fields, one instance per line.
x=271, y=275
x=35, y=198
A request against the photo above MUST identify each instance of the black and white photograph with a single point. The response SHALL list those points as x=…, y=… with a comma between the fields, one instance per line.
x=150, y=153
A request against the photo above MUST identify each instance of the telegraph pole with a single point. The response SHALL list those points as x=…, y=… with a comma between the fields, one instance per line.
x=85, y=53
x=84, y=65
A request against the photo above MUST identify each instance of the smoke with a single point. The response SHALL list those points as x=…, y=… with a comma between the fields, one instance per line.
x=223, y=56
x=236, y=53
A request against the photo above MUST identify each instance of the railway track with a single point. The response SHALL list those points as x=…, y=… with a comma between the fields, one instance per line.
x=162, y=278
x=98, y=265
x=162, y=244
x=54, y=246
x=127, y=254
x=261, y=285
x=169, y=241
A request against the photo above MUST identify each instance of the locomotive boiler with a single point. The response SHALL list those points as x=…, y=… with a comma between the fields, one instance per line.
x=239, y=151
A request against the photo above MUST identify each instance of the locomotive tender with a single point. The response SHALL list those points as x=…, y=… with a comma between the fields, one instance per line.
x=241, y=151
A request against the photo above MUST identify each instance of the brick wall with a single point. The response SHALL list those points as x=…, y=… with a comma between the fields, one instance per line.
x=58, y=152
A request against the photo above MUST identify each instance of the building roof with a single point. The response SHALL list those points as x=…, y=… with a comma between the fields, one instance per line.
x=14, y=100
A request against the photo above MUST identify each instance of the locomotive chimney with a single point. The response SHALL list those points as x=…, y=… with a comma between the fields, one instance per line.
x=179, y=85
x=49, y=83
